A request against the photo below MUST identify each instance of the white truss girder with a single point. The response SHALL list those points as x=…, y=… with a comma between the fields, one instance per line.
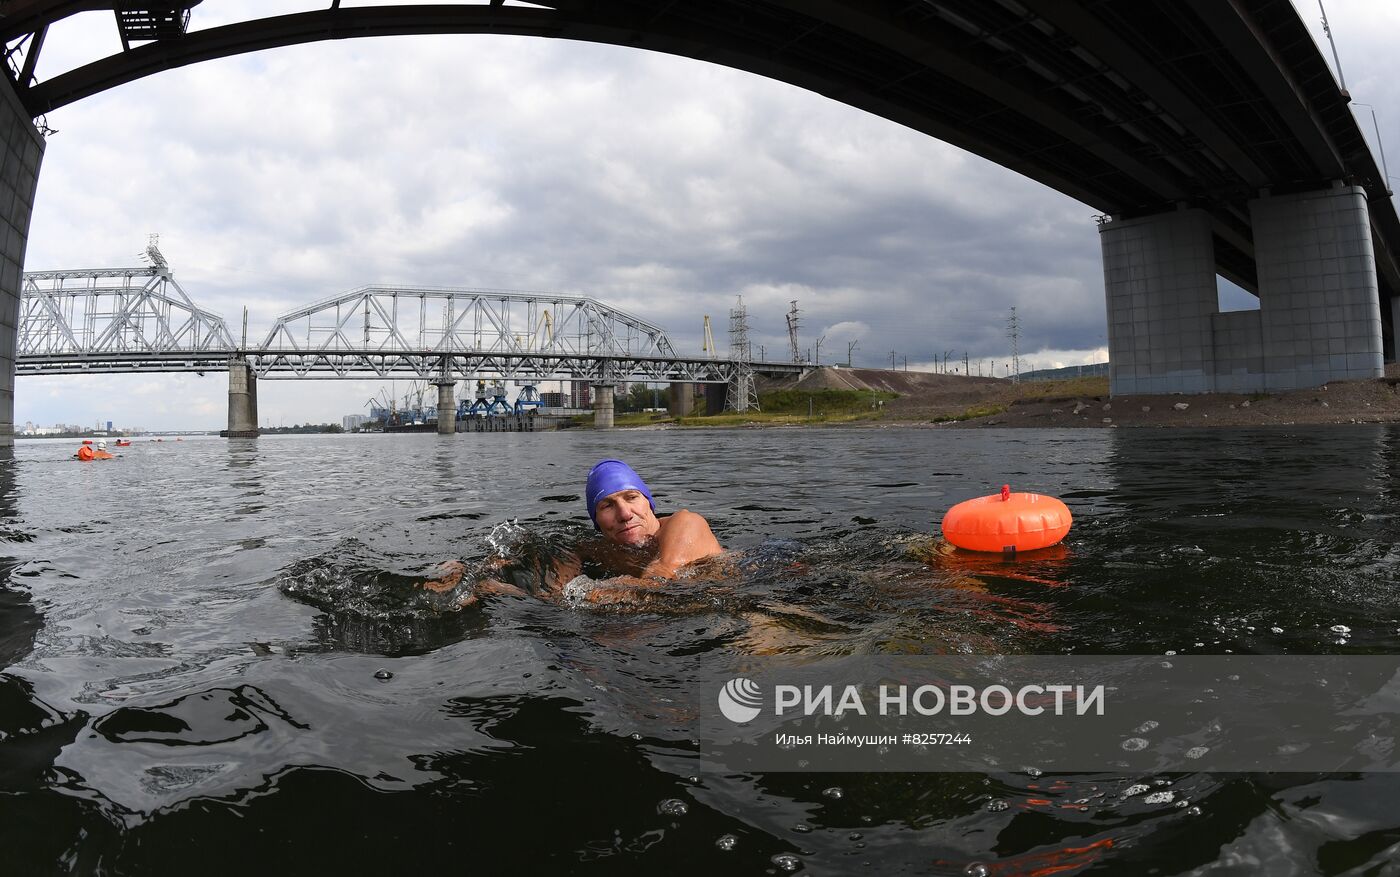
x=110, y=311
x=377, y=319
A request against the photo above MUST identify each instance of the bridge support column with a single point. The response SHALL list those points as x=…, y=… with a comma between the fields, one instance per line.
x=21, y=151
x=242, y=401
x=1319, y=299
x=682, y=399
x=446, y=408
x=602, y=406
x=1319, y=316
x=1159, y=283
x=1395, y=328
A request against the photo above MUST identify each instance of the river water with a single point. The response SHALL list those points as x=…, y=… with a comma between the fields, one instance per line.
x=190, y=637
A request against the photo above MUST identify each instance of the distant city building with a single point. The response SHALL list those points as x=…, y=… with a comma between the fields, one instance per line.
x=352, y=422
x=554, y=400
x=582, y=397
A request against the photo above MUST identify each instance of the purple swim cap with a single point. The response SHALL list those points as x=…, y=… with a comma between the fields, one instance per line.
x=608, y=477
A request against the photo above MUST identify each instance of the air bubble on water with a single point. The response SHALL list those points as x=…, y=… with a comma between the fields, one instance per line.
x=727, y=842
x=1275, y=630
x=672, y=807
x=1134, y=744
x=855, y=835
x=976, y=869
x=1193, y=811
x=835, y=793
x=635, y=735
x=692, y=779
x=786, y=862
x=997, y=806
x=1032, y=771
x=1171, y=652
x=383, y=675
x=1183, y=804
x=1341, y=628
x=802, y=828
x=1159, y=798
x=1146, y=727
x=1197, y=751
x=1132, y=790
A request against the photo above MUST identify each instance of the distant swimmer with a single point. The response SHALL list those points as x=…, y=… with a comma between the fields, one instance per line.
x=638, y=551
x=87, y=452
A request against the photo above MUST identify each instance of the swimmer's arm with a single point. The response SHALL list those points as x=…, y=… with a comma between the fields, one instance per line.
x=684, y=537
x=449, y=576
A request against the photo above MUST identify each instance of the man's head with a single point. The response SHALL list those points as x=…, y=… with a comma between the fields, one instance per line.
x=102, y=445
x=620, y=503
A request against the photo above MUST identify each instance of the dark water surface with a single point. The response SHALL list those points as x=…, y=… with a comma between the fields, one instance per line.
x=190, y=636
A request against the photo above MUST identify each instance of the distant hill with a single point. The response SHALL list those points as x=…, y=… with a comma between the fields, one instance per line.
x=1094, y=370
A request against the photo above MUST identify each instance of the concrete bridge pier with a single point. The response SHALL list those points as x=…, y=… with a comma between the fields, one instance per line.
x=446, y=408
x=21, y=151
x=242, y=400
x=602, y=406
x=1394, y=328
x=1319, y=307
x=682, y=399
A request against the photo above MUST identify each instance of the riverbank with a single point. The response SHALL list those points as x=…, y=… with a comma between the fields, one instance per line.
x=958, y=402
x=1341, y=402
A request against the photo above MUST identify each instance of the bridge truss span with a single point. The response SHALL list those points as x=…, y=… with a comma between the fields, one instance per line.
x=139, y=320
x=107, y=314
x=397, y=320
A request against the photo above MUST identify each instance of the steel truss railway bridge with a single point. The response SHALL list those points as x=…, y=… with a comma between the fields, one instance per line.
x=1210, y=134
x=141, y=320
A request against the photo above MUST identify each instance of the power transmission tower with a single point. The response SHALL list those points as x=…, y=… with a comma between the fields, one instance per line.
x=851, y=349
x=792, y=332
x=818, y=360
x=742, y=394
x=1013, y=331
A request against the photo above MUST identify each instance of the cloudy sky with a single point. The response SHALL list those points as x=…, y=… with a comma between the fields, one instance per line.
x=660, y=185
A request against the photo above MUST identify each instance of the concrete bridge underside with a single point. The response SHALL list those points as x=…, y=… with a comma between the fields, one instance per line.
x=1211, y=132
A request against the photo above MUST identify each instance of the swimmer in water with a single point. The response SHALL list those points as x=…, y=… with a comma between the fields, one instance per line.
x=638, y=549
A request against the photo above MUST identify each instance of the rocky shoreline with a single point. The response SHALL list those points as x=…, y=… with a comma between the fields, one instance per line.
x=1341, y=402
x=955, y=402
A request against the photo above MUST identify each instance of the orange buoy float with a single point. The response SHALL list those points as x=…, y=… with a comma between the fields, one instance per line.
x=1007, y=522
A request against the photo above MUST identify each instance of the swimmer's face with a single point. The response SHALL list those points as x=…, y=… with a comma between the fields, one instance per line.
x=626, y=517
